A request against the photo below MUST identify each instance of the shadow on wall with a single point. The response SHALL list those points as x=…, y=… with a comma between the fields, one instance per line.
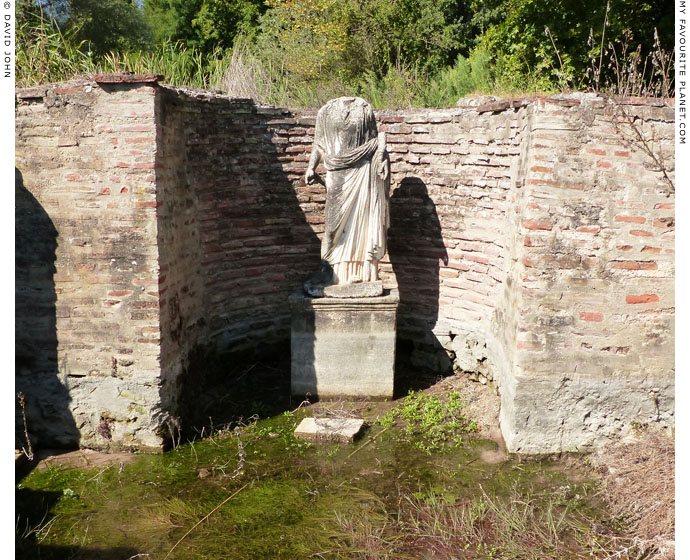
x=415, y=249
x=235, y=181
x=48, y=415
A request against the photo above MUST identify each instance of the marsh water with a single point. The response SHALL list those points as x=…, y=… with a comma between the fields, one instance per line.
x=255, y=491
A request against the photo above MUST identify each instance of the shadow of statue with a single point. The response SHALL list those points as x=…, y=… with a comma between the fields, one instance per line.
x=416, y=249
x=243, y=214
x=45, y=403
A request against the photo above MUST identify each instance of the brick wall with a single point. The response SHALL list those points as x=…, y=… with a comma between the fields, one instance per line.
x=234, y=239
x=531, y=243
x=88, y=358
x=451, y=233
x=595, y=335
x=255, y=244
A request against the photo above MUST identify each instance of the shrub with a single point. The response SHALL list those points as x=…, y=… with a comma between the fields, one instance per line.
x=468, y=75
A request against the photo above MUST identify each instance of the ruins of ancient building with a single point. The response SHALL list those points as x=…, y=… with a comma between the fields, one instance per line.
x=531, y=244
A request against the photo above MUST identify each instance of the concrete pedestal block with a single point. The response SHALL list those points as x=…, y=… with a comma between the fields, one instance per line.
x=343, y=347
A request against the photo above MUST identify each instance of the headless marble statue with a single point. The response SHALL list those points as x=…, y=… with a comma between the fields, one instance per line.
x=357, y=184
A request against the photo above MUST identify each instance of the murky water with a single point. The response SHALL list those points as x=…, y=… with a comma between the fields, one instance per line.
x=268, y=495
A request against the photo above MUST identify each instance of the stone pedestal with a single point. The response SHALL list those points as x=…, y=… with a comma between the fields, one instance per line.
x=343, y=347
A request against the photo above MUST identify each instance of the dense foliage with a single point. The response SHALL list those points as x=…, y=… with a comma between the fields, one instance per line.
x=553, y=40
x=394, y=52
x=203, y=24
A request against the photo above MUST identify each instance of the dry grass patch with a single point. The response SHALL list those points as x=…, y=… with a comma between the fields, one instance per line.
x=638, y=483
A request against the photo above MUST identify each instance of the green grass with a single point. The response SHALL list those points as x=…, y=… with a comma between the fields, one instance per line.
x=258, y=492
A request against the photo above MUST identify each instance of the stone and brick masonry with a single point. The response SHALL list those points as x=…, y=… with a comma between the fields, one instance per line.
x=531, y=242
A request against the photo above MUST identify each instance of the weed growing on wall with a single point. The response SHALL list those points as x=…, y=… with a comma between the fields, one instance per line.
x=27, y=451
x=618, y=70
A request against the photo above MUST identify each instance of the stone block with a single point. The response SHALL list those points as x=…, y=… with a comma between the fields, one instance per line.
x=556, y=413
x=338, y=429
x=355, y=290
x=343, y=347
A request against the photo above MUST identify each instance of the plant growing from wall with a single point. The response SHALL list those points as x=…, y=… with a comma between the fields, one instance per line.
x=618, y=71
x=27, y=451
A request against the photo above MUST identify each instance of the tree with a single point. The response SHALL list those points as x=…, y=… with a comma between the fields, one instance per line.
x=171, y=20
x=219, y=22
x=563, y=52
x=303, y=38
x=109, y=25
x=426, y=34
x=345, y=40
x=206, y=24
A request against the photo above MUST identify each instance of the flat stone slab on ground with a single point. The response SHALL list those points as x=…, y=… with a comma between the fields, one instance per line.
x=81, y=458
x=340, y=429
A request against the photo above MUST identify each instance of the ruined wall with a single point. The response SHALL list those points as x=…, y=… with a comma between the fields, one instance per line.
x=88, y=358
x=451, y=234
x=179, y=240
x=255, y=244
x=557, y=222
x=531, y=243
x=233, y=238
x=595, y=335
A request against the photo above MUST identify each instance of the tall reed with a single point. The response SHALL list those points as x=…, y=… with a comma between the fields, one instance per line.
x=45, y=53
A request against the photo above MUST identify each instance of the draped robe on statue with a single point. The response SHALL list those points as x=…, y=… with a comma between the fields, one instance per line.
x=357, y=184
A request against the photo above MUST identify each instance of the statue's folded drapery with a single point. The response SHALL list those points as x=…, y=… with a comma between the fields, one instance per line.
x=357, y=184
